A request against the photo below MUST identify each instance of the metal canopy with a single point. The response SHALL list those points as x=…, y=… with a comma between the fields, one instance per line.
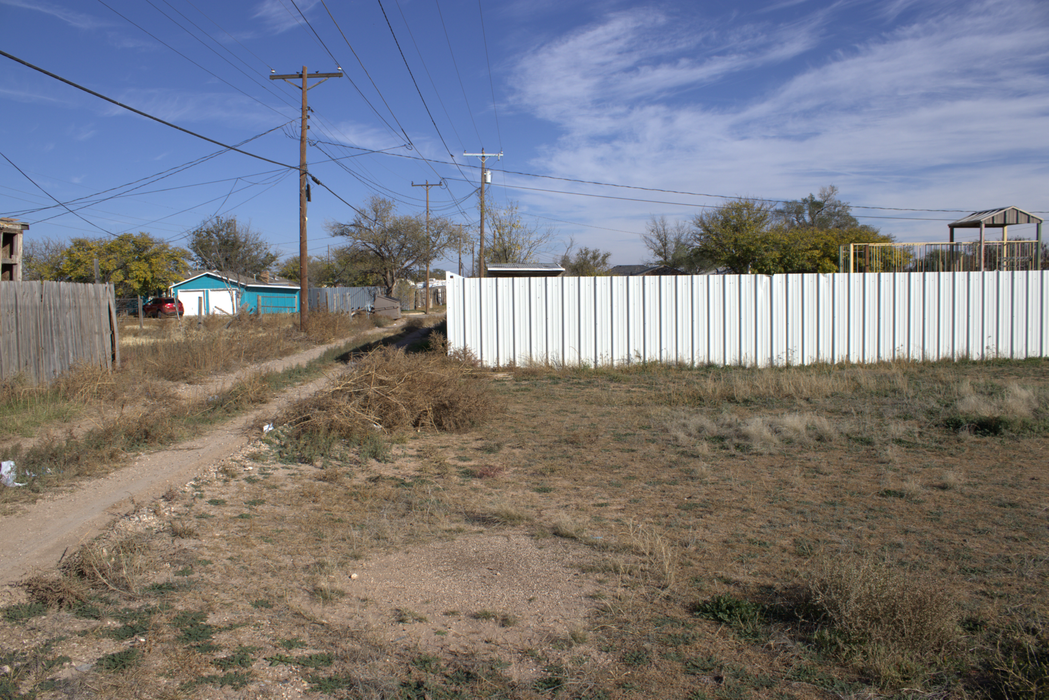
x=1000, y=218
x=996, y=218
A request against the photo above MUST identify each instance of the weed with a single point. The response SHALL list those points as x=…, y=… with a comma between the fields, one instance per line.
x=55, y=591
x=404, y=617
x=500, y=618
x=120, y=660
x=182, y=530
x=240, y=658
x=20, y=612
x=390, y=390
x=744, y=617
x=1018, y=663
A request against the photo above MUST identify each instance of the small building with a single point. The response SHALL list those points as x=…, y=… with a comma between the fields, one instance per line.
x=11, y=232
x=212, y=291
x=524, y=270
x=643, y=271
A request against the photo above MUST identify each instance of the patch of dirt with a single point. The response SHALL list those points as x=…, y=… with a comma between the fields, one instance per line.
x=482, y=596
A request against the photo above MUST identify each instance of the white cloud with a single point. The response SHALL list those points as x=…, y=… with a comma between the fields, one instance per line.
x=945, y=111
x=279, y=16
x=76, y=19
x=180, y=107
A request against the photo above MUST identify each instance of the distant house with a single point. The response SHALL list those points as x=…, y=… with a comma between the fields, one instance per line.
x=524, y=270
x=212, y=291
x=643, y=271
x=11, y=232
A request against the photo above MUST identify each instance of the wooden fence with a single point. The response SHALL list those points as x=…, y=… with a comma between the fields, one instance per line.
x=750, y=319
x=47, y=327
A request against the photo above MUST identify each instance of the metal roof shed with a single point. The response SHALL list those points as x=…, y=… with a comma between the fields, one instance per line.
x=1003, y=219
x=525, y=270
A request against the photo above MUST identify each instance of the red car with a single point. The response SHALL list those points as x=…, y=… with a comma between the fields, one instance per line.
x=162, y=306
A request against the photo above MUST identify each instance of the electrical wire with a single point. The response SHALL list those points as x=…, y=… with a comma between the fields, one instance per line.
x=40, y=187
x=448, y=39
x=144, y=114
x=411, y=35
x=151, y=179
x=414, y=81
x=212, y=74
x=491, y=81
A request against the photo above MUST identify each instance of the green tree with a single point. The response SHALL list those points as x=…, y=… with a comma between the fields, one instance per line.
x=136, y=264
x=585, y=262
x=387, y=245
x=225, y=245
x=749, y=236
x=822, y=211
x=737, y=236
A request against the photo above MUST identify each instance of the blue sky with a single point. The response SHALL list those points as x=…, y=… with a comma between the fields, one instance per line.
x=908, y=107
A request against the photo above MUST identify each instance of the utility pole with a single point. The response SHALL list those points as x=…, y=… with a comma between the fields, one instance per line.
x=484, y=178
x=428, y=185
x=304, y=282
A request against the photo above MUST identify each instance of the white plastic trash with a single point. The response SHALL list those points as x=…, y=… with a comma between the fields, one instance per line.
x=8, y=473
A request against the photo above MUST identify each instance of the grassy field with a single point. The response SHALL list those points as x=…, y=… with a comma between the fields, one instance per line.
x=637, y=532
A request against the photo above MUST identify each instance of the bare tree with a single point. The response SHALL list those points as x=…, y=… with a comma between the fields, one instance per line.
x=226, y=245
x=391, y=245
x=667, y=242
x=512, y=239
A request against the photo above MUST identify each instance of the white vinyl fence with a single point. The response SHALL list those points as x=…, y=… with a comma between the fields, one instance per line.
x=750, y=319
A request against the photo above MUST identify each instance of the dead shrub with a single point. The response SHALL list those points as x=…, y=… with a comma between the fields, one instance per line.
x=390, y=390
x=55, y=591
x=325, y=327
x=118, y=566
x=889, y=622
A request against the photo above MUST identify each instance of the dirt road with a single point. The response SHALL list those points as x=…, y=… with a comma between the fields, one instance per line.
x=37, y=537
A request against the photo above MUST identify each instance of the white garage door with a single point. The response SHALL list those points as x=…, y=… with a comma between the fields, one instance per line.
x=221, y=301
x=192, y=302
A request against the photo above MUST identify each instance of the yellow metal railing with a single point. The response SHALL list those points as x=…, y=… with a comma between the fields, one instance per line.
x=972, y=256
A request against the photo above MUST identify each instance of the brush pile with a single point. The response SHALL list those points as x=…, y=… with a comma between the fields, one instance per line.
x=390, y=390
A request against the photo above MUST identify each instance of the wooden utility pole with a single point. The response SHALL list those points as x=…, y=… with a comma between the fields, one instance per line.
x=304, y=282
x=429, y=244
x=484, y=179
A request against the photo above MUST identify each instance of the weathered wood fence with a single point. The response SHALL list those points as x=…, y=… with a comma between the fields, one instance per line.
x=47, y=327
x=750, y=319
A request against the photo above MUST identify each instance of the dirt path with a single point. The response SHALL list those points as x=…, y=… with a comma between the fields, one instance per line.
x=38, y=536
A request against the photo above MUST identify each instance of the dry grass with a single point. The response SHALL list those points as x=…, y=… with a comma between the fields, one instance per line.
x=890, y=622
x=712, y=518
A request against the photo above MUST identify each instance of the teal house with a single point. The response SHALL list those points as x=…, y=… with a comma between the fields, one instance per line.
x=214, y=292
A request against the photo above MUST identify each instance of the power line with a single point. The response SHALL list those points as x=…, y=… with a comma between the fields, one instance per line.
x=141, y=113
x=157, y=177
x=53, y=197
x=212, y=74
x=422, y=60
x=683, y=204
x=368, y=75
x=448, y=39
x=491, y=82
x=681, y=192
x=414, y=82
